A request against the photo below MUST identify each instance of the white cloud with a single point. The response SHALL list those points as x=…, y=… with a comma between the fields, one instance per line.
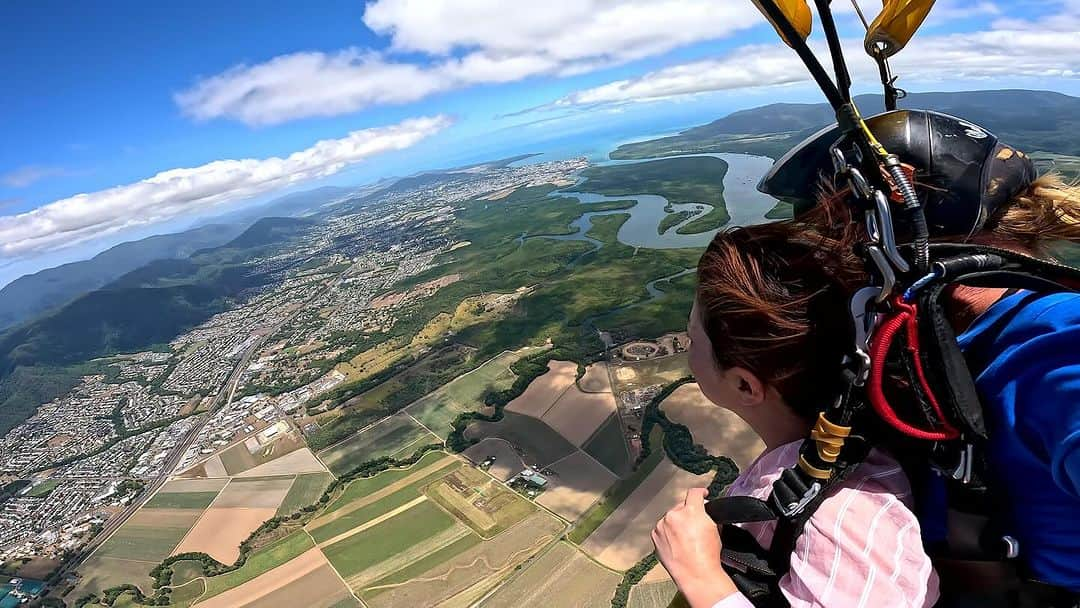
x=1044, y=48
x=171, y=193
x=31, y=174
x=460, y=43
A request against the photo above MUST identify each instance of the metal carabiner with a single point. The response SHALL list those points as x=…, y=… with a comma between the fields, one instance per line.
x=864, y=321
x=888, y=236
x=859, y=185
x=873, y=231
x=888, y=277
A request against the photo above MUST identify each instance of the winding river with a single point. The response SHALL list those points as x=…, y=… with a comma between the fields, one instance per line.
x=745, y=205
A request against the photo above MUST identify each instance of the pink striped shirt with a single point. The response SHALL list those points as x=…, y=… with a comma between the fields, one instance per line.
x=861, y=548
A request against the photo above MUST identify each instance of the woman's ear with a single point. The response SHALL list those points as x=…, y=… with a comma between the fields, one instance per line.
x=747, y=386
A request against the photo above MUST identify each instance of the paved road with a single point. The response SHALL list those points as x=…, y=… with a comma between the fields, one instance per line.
x=114, y=522
x=223, y=398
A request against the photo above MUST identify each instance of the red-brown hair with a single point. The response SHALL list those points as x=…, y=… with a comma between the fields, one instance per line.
x=774, y=298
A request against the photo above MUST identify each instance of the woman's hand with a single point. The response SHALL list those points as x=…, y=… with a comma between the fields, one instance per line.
x=688, y=545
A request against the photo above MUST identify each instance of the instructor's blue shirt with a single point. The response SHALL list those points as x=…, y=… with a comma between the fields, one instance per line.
x=1026, y=350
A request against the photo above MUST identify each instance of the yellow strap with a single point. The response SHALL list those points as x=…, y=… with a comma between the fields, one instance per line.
x=829, y=438
x=813, y=471
x=797, y=12
x=894, y=27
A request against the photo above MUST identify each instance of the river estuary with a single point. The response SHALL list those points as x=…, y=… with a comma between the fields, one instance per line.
x=745, y=205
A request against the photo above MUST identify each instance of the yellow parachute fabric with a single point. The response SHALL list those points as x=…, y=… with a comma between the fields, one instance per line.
x=797, y=13
x=894, y=27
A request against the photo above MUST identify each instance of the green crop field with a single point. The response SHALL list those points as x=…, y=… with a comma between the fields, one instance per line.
x=186, y=570
x=368, y=512
x=99, y=573
x=305, y=490
x=43, y=489
x=150, y=534
x=389, y=437
x=183, y=596
x=181, y=500
x=364, y=486
x=437, y=410
x=260, y=561
x=390, y=537
x=608, y=446
x=429, y=561
x=616, y=494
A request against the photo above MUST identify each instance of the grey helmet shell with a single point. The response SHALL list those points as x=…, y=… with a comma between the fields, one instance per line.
x=963, y=172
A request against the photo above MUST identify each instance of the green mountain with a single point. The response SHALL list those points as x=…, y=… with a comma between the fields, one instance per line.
x=144, y=308
x=1030, y=120
x=30, y=295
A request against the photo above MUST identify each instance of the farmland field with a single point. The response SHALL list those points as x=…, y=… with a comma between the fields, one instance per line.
x=396, y=434
x=306, y=580
x=719, y=430
x=305, y=490
x=186, y=494
x=541, y=444
x=294, y=463
x=542, y=392
x=624, y=537
x=193, y=485
x=362, y=506
x=150, y=534
x=186, y=570
x=466, y=577
x=433, y=559
x=465, y=393
x=656, y=595
x=596, y=379
x=479, y=501
x=413, y=526
x=320, y=588
x=560, y=578
x=576, y=415
x=249, y=454
x=365, y=487
x=261, y=561
x=632, y=375
x=239, y=509
x=99, y=573
x=181, y=500
x=608, y=446
x=183, y=596
x=507, y=462
x=577, y=483
x=617, y=493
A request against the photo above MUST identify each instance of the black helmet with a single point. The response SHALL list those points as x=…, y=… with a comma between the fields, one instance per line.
x=964, y=171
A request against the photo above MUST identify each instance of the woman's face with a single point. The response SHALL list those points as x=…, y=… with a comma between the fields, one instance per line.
x=702, y=361
x=734, y=388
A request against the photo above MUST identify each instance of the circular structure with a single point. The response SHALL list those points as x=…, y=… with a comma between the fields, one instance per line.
x=640, y=350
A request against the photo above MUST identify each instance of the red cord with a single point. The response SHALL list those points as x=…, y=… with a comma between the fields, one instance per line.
x=904, y=318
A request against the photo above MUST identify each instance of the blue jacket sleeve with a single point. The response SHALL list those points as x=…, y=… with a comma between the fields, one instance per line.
x=1047, y=392
x=1064, y=385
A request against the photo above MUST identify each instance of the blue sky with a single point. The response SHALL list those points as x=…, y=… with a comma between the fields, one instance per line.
x=100, y=98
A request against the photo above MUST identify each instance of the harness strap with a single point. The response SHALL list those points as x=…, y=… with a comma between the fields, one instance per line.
x=739, y=509
x=905, y=318
x=948, y=367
